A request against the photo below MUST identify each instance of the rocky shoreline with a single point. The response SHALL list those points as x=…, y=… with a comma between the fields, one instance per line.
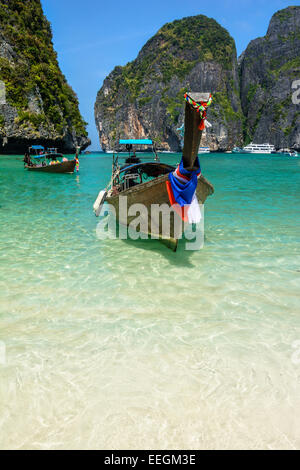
x=15, y=138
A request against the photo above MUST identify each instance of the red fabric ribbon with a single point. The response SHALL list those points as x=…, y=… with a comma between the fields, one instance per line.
x=202, y=122
x=181, y=211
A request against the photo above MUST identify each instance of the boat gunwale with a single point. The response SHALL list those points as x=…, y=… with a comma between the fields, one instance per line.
x=148, y=184
x=70, y=164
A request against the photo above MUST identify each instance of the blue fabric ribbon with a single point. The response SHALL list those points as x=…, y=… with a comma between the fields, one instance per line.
x=184, y=192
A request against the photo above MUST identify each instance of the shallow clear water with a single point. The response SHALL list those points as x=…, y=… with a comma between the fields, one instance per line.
x=118, y=344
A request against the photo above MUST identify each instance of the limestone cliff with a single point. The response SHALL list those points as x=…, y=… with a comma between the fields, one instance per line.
x=270, y=67
x=145, y=97
x=36, y=103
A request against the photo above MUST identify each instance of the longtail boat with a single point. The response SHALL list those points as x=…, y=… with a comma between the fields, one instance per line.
x=48, y=160
x=150, y=183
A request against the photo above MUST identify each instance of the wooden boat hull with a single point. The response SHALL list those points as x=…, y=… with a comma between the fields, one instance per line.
x=145, y=208
x=64, y=167
x=152, y=193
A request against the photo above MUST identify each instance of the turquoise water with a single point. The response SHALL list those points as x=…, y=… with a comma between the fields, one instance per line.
x=122, y=344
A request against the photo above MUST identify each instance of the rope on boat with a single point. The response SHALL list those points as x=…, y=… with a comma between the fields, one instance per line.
x=201, y=108
x=103, y=195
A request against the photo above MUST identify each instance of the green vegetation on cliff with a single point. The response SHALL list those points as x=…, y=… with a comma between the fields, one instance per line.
x=34, y=69
x=202, y=35
x=176, y=49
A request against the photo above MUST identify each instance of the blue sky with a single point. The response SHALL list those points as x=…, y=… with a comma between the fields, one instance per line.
x=91, y=37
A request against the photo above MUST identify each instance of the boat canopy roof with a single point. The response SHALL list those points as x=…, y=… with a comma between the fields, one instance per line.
x=136, y=142
x=38, y=147
x=47, y=155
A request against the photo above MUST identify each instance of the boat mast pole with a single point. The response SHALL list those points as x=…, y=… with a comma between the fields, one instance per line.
x=192, y=133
